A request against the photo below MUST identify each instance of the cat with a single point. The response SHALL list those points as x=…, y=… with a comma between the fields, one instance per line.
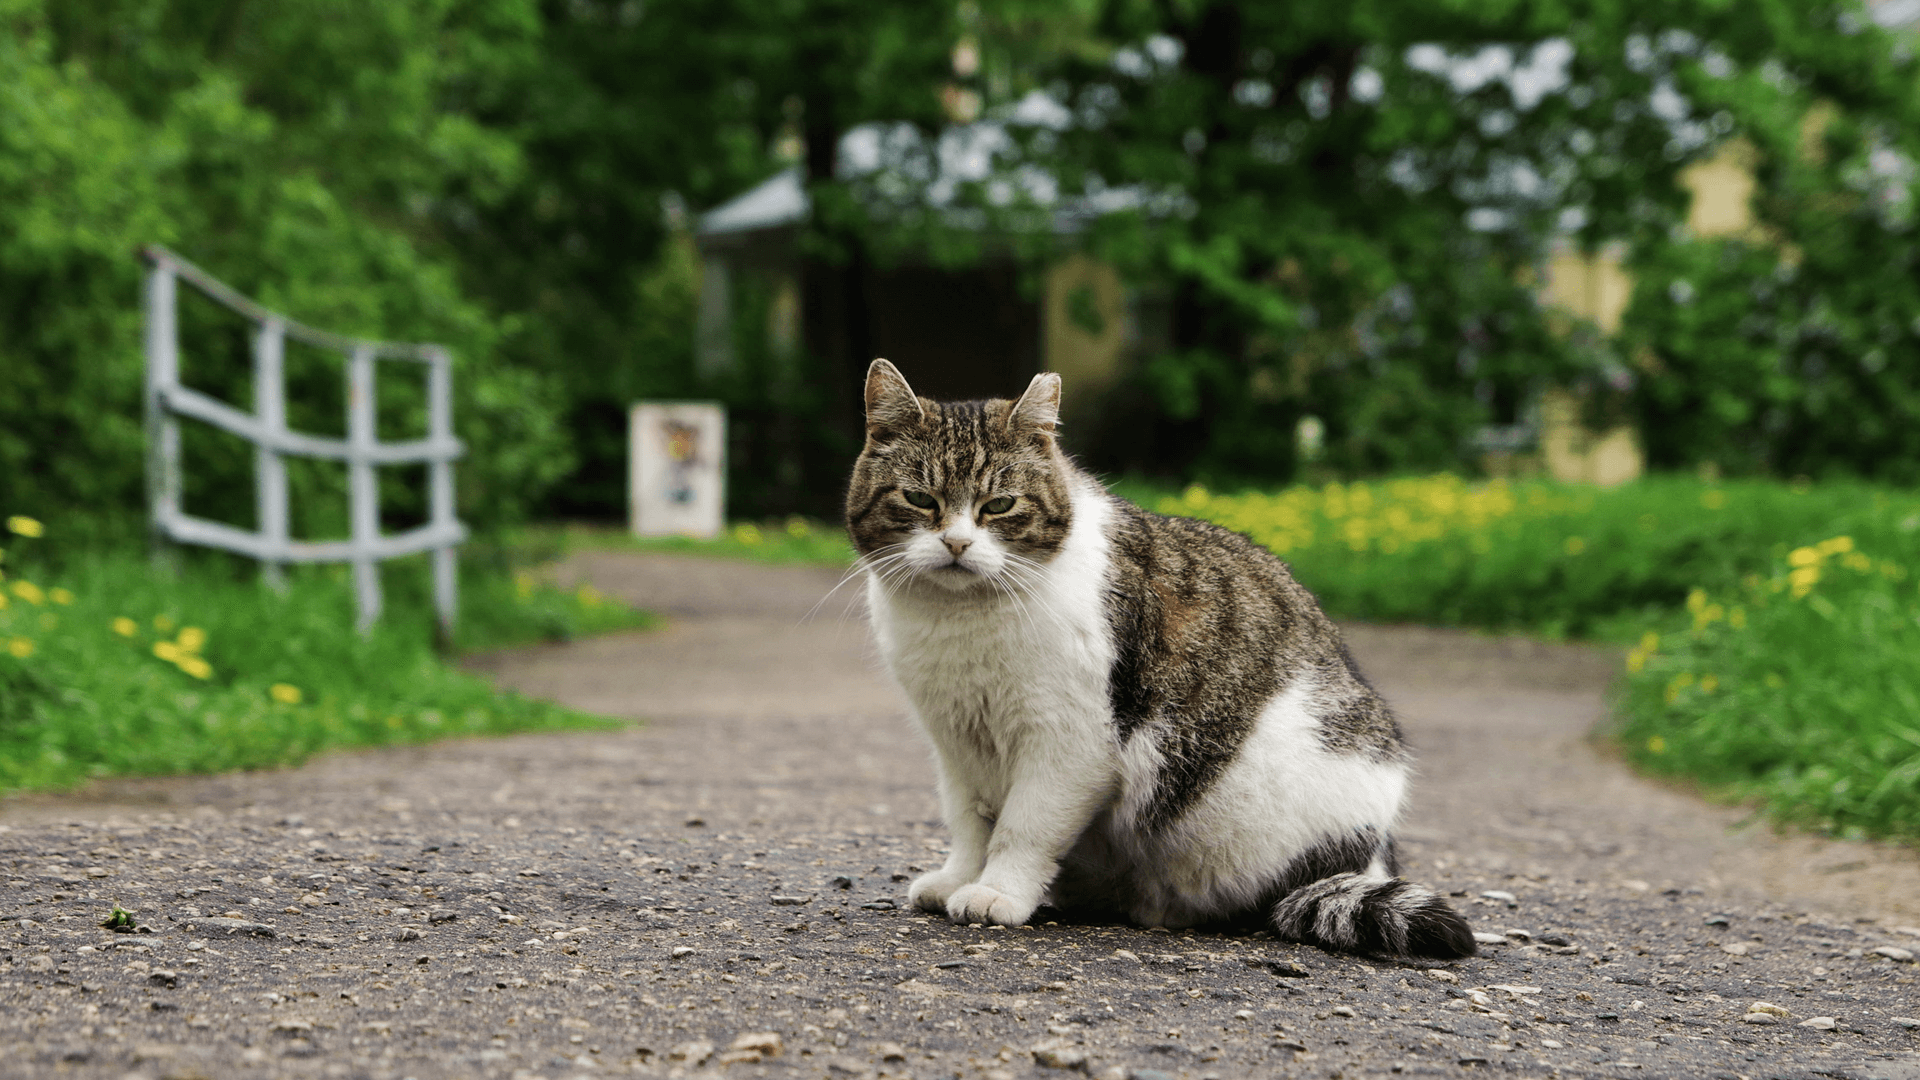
x=1133, y=716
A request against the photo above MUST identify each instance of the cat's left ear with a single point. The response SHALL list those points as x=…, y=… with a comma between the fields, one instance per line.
x=1038, y=410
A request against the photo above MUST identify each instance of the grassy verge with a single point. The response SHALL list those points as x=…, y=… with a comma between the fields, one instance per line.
x=1545, y=558
x=109, y=667
x=1798, y=688
x=792, y=541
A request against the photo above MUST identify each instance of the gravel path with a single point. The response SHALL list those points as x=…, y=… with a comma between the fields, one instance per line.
x=719, y=892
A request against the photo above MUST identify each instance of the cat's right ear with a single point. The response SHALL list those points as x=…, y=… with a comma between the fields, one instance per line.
x=891, y=404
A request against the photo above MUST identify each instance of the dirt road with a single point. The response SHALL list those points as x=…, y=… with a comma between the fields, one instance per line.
x=719, y=892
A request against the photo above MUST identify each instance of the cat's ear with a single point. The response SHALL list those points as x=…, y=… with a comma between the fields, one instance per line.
x=891, y=404
x=1038, y=410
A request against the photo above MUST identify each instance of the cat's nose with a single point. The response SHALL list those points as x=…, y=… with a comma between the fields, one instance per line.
x=958, y=547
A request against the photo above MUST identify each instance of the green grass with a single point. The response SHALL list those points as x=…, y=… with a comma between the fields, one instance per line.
x=1550, y=559
x=792, y=541
x=108, y=666
x=1798, y=688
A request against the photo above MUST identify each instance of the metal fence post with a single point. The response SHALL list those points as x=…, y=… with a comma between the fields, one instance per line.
x=446, y=578
x=270, y=469
x=163, y=431
x=363, y=490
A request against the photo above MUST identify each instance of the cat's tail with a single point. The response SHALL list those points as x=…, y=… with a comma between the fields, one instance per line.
x=1370, y=913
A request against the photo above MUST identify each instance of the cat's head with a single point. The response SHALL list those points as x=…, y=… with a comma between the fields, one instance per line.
x=964, y=495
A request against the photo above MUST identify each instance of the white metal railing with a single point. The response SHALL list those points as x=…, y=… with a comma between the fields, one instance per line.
x=266, y=428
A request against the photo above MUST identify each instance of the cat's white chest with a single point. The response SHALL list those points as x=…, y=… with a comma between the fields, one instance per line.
x=992, y=675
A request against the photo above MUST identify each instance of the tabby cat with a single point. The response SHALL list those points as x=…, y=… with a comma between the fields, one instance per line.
x=1133, y=716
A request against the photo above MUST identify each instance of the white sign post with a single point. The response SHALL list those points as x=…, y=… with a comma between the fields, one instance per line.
x=677, y=468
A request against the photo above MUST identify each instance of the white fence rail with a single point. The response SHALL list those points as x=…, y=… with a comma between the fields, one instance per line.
x=266, y=428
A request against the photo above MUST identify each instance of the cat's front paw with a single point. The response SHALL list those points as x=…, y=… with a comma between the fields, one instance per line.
x=984, y=904
x=929, y=892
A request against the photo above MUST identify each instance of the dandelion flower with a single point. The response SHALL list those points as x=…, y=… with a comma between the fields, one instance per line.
x=1657, y=745
x=284, y=693
x=60, y=596
x=168, y=651
x=588, y=596
x=22, y=525
x=192, y=639
x=1805, y=556
x=20, y=647
x=798, y=528
x=747, y=533
x=125, y=627
x=28, y=591
x=196, y=667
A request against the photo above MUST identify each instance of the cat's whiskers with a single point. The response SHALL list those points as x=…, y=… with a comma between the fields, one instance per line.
x=864, y=562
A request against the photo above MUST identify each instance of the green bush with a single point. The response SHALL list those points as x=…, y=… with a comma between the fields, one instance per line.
x=110, y=667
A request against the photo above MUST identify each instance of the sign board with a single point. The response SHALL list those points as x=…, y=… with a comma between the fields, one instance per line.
x=677, y=468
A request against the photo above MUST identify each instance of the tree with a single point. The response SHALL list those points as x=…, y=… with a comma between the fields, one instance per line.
x=1349, y=202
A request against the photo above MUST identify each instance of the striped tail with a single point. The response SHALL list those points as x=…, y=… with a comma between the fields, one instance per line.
x=1373, y=914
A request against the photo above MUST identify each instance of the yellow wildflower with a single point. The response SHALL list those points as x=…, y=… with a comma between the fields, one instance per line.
x=1650, y=641
x=798, y=528
x=588, y=596
x=1657, y=745
x=1835, y=546
x=1803, y=580
x=1696, y=600
x=1195, y=496
x=168, y=651
x=747, y=533
x=1678, y=683
x=1574, y=545
x=3, y=601
x=196, y=667
x=1855, y=560
x=28, y=591
x=523, y=584
x=1773, y=680
x=1709, y=683
x=284, y=693
x=1737, y=618
x=22, y=525
x=20, y=647
x=192, y=639
x=60, y=596
x=1636, y=660
x=125, y=627
x=1805, y=556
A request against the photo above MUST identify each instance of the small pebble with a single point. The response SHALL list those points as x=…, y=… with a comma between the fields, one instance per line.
x=681, y=950
x=1500, y=895
x=1822, y=1023
x=1485, y=938
x=1768, y=1008
x=1342, y=1010
x=1908, y=1022
x=1894, y=952
x=1759, y=1018
x=1734, y=948
x=1057, y=1056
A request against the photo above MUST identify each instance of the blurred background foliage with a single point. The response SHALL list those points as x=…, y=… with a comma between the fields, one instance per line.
x=1346, y=208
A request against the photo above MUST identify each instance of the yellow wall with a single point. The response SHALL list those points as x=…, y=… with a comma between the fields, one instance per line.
x=1087, y=361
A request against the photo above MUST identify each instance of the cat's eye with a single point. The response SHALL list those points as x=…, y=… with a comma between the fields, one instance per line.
x=998, y=506
x=920, y=499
